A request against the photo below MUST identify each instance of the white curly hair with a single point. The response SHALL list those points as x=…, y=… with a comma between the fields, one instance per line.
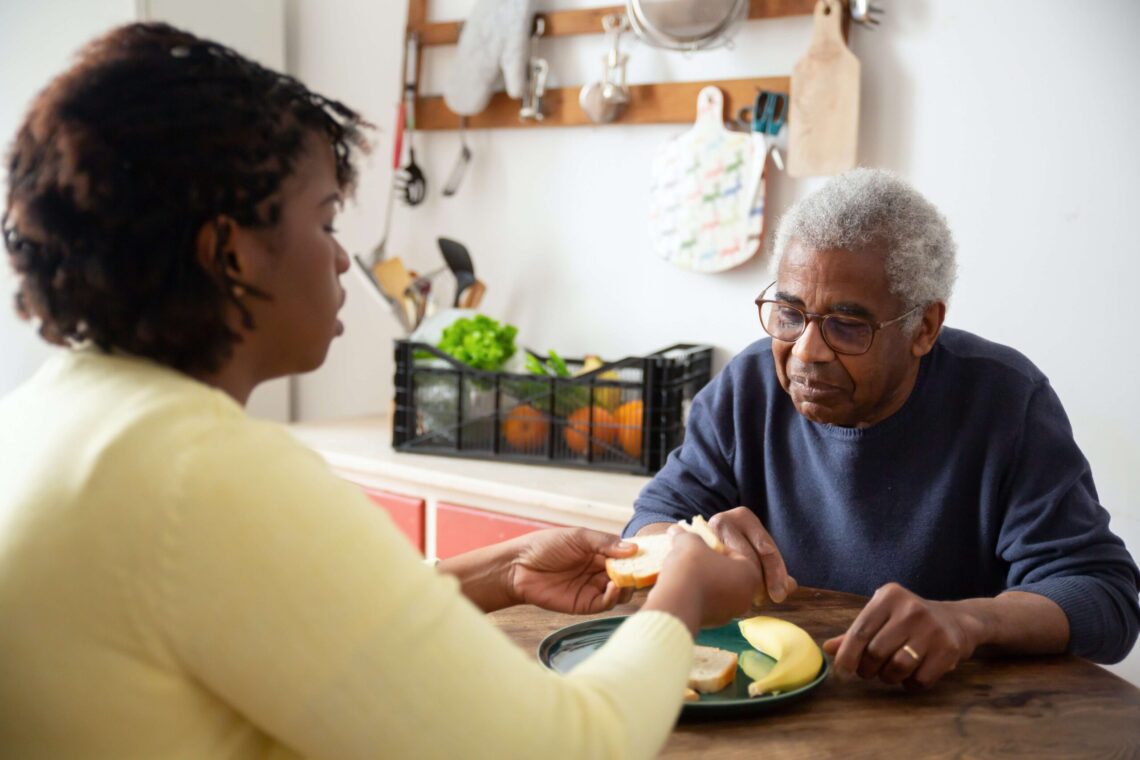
x=873, y=210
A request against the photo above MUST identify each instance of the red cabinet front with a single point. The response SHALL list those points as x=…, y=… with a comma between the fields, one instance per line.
x=460, y=529
x=407, y=512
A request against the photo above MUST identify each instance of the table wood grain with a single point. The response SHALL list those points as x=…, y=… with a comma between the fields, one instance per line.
x=1029, y=707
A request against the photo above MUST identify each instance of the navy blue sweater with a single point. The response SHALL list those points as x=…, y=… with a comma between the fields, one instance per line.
x=973, y=487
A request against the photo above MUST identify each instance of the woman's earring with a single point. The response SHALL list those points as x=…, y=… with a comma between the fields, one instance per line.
x=238, y=291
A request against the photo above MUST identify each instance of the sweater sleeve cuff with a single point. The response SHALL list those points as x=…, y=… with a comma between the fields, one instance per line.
x=655, y=629
x=642, y=518
x=1083, y=606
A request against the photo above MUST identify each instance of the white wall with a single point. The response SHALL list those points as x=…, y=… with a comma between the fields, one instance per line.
x=38, y=40
x=1016, y=118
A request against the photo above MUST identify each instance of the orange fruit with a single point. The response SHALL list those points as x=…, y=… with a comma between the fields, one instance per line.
x=628, y=418
x=526, y=428
x=578, y=429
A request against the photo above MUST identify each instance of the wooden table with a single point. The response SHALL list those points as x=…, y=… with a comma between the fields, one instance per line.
x=1032, y=707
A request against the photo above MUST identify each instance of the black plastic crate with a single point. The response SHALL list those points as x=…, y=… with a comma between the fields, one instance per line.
x=640, y=406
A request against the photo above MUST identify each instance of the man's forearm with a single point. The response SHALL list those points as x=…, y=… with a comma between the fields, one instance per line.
x=1019, y=622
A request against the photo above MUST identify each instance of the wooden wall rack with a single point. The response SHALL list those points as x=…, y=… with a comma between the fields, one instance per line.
x=658, y=103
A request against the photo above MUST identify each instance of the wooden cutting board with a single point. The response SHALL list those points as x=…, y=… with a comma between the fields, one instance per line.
x=824, y=118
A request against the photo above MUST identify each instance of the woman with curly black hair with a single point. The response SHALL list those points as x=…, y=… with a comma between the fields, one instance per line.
x=177, y=579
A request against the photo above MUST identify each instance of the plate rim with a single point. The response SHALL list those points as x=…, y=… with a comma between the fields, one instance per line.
x=691, y=709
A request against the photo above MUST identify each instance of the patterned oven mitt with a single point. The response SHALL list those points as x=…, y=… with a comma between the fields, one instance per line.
x=495, y=38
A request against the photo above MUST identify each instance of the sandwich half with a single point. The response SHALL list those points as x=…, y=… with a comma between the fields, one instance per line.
x=713, y=669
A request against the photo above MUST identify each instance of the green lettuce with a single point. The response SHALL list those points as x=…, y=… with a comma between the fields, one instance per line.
x=479, y=342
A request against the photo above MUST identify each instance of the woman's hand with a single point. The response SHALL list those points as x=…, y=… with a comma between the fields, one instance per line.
x=899, y=637
x=564, y=570
x=701, y=587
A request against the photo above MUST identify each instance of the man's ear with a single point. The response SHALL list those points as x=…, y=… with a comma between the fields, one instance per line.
x=928, y=330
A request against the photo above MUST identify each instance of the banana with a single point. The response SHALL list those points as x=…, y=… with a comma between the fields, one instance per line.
x=797, y=657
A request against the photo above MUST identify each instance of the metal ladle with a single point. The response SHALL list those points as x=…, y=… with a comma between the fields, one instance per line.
x=606, y=100
x=460, y=168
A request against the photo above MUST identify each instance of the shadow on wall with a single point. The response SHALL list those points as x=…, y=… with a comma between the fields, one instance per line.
x=887, y=96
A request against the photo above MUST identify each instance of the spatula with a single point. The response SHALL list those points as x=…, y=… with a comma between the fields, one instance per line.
x=471, y=296
x=459, y=262
x=824, y=120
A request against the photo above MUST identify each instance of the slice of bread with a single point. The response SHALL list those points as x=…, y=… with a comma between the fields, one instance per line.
x=702, y=529
x=713, y=669
x=641, y=569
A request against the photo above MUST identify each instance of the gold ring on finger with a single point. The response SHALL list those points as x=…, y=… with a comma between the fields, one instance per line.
x=910, y=650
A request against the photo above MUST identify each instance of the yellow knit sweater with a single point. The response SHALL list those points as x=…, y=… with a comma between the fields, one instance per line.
x=177, y=580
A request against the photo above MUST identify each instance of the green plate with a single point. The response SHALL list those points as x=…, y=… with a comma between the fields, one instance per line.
x=562, y=650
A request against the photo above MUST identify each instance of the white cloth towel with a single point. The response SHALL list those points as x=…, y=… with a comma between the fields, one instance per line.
x=495, y=38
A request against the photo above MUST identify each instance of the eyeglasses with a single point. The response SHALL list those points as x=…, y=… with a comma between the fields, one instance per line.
x=850, y=336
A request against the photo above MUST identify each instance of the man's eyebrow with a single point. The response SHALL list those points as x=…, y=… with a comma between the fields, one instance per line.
x=780, y=295
x=851, y=310
x=847, y=308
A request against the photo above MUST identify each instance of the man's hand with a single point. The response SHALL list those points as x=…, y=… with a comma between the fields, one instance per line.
x=701, y=587
x=742, y=532
x=899, y=637
x=564, y=570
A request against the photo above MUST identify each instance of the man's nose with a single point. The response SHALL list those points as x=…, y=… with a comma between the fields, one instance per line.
x=342, y=262
x=811, y=347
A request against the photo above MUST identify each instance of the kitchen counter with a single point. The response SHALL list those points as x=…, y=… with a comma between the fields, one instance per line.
x=360, y=450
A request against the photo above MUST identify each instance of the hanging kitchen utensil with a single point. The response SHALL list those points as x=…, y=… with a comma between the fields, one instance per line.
x=686, y=24
x=393, y=277
x=380, y=251
x=396, y=305
x=471, y=296
x=493, y=44
x=411, y=181
x=459, y=262
x=460, y=168
x=420, y=290
x=533, y=102
x=769, y=112
x=824, y=121
x=704, y=217
x=606, y=100
x=395, y=184
x=418, y=294
x=767, y=116
x=864, y=12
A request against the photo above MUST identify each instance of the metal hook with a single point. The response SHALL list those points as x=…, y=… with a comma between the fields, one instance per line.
x=537, y=71
x=863, y=12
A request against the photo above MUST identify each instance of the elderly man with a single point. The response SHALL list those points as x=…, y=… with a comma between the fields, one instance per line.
x=877, y=452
